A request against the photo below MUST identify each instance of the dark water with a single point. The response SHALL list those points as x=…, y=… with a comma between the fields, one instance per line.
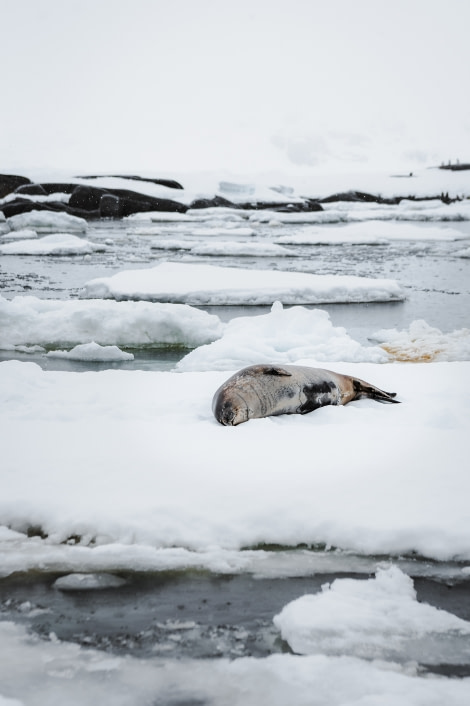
x=436, y=281
x=192, y=614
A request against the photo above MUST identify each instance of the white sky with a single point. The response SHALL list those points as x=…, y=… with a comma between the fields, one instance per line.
x=247, y=86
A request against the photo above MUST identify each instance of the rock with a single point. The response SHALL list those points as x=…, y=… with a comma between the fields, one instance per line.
x=10, y=182
x=216, y=201
x=31, y=189
x=123, y=203
x=287, y=207
x=354, y=196
x=13, y=208
x=58, y=188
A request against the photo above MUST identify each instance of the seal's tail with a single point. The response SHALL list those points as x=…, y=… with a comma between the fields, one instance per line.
x=364, y=389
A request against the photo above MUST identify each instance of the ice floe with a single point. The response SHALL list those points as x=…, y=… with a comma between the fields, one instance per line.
x=24, y=234
x=379, y=618
x=282, y=336
x=370, y=233
x=93, y=352
x=88, y=582
x=42, y=671
x=369, y=478
x=48, y=222
x=220, y=247
x=208, y=284
x=52, y=322
x=55, y=244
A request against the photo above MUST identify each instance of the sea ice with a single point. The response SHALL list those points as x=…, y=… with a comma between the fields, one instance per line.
x=47, y=671
x=207, y=284
x=223, y=247
x=88, y=582
x=378, y=618
x=282, y=336
x=93, y=352
x=48, y=222
x=370, y=233
x=369, y=478
x=56, y=244
x=53, y=322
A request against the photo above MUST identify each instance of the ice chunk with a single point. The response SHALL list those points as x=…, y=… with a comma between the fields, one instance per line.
x=53, y=322
x=56, y=244
x=282, y=336
x=208, y=284
x=93, y=352
x=48, y=222
x=88, y=582
x=379, y=618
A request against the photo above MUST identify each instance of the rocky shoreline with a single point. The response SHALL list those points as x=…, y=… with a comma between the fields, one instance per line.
x=92, y=202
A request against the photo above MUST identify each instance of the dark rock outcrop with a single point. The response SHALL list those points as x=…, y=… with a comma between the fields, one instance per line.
x=123, y=203
x=215, y=202
x=10, y=182
x=354, y=196
x=287, y=207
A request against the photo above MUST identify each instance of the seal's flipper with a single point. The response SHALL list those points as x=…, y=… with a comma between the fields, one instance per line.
x=363, y=389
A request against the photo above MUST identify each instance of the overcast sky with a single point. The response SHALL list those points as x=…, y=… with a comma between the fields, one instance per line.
x=247, y=86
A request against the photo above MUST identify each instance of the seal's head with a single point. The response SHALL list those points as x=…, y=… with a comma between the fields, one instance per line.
x=229, y=407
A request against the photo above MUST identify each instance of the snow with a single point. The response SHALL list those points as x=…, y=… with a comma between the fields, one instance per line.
x=208, y=284
x=53, y=322
x=283, y=336
x=41, y=672
x=93, y=352
x=48, y=222
x=369, y=233
x=355, y=487
x=421, y=342
x=379, y=618
x=56, y=244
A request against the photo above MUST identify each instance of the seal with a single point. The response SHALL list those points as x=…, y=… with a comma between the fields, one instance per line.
x=268, y=390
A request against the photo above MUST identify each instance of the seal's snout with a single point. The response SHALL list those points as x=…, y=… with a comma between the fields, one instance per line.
x=227, y=415
x=223, y=411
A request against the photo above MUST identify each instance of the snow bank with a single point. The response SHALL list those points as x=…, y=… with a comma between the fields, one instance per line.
x=41, y=671
x=137, y=459
x=48, y=222
x=370, y=233
x=282, y=336
x=93, y=352
x=52, y=322
x=379, y=618
x=421, y=342
x=56, y=244
x=207, y=284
